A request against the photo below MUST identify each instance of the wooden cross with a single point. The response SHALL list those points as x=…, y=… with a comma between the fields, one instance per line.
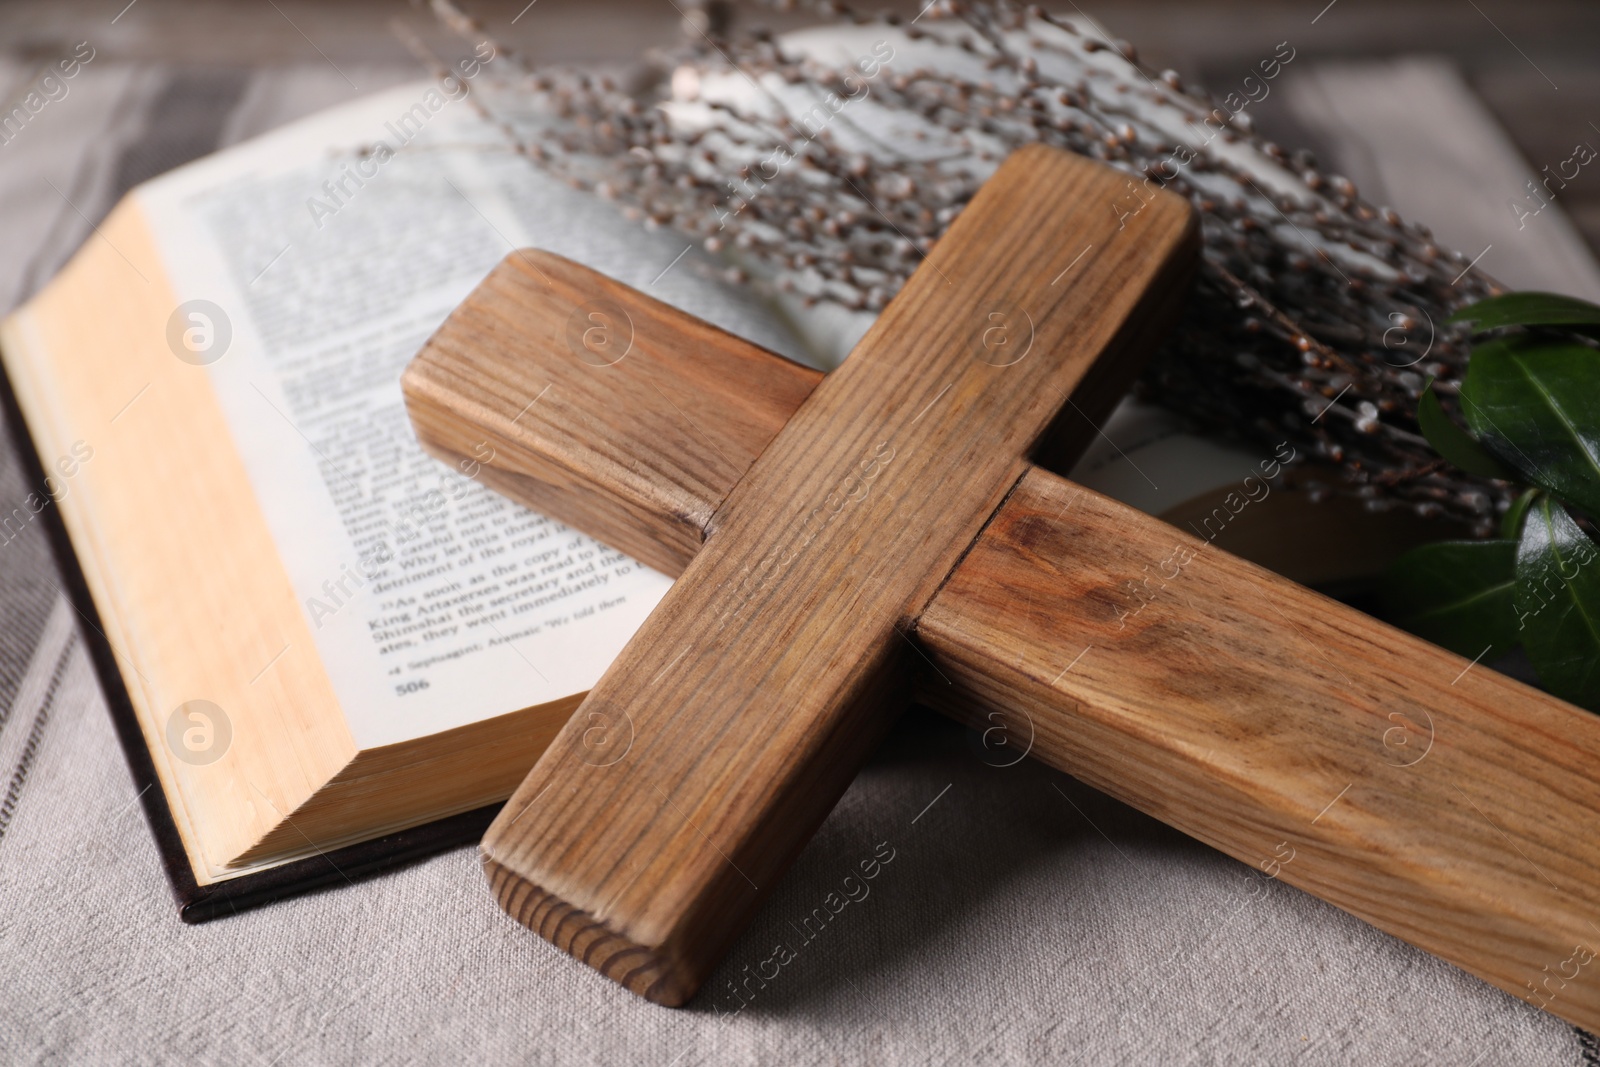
x=849, y=541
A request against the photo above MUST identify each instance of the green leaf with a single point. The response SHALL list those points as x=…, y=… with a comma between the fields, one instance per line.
x=1511, y=524
x=1527, y=309
x=1558, y=603
x=1536, y=406
x=1454, y=443
x=1457, y=594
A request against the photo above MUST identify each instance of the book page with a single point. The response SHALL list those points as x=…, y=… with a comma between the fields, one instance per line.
x=311, y=264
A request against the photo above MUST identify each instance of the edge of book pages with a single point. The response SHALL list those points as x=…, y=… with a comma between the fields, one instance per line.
x=182, y=795
x=197, y=902
x=65, y=399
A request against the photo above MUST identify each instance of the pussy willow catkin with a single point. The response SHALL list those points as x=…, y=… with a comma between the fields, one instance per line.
x=1318, y=317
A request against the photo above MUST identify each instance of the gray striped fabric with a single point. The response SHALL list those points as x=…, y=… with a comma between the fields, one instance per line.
x=1015, y=916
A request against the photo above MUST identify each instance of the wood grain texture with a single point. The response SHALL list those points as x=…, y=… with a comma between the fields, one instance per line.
x=639, y=453
x=770, y=669
x=594, y=404
x=1451, y=807
x=1188, y=703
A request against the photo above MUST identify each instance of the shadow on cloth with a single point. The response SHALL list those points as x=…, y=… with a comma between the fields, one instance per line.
x=928, y=833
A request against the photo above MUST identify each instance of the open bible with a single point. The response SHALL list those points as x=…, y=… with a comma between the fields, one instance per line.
x=317, y=635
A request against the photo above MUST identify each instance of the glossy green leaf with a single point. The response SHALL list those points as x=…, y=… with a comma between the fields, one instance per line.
x=1457, y=594
x=1528, y=309
x=1511, y=524
x=1536, y=406
x=1454, y=443
x=1558, y=603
